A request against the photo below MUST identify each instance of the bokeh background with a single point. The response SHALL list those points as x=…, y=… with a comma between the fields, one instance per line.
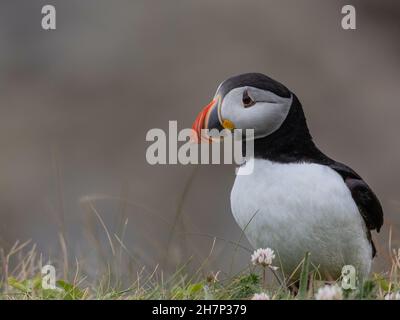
x=76, y=104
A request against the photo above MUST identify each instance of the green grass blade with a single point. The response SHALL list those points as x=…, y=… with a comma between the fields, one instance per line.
x=304, y=277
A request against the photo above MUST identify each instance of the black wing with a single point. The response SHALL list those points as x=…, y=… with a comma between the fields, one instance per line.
x=366, y=200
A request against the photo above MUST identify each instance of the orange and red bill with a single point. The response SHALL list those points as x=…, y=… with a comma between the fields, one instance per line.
x=201, y=123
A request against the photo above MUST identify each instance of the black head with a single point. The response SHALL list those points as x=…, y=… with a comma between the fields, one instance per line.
x=255, y=101
x=255, y=80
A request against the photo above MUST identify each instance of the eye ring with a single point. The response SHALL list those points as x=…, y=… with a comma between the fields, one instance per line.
x=247, y=100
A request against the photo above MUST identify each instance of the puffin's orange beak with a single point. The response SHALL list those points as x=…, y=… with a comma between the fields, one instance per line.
x=201, y=121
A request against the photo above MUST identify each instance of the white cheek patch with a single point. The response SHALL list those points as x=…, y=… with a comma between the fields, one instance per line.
x=265, y=117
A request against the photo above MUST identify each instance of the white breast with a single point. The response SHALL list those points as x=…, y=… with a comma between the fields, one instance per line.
x=295, y=208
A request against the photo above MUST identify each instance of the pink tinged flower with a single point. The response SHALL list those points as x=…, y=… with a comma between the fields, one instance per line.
x=393, y=296
x=263, y=257
x=328, y=292
x=261, y=296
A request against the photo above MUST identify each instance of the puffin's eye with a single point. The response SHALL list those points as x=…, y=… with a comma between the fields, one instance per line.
x=247, y=100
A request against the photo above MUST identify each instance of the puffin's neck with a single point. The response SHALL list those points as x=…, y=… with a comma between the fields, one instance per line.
x=292, y=142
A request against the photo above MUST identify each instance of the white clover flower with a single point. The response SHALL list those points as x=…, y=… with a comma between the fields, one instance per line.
x=261, y=296
x=393, y=296
x=263, y=257
x=329, y=293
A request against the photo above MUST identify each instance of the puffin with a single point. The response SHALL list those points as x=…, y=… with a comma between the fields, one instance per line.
x=297, y=200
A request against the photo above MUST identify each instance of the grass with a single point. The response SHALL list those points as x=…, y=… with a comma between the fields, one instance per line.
x=115, y=278
x=22, y=279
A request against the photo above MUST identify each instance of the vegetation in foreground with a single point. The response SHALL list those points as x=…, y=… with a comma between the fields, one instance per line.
x=260, y=281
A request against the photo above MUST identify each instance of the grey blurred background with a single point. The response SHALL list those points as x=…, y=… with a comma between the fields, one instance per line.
x=76, y=103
